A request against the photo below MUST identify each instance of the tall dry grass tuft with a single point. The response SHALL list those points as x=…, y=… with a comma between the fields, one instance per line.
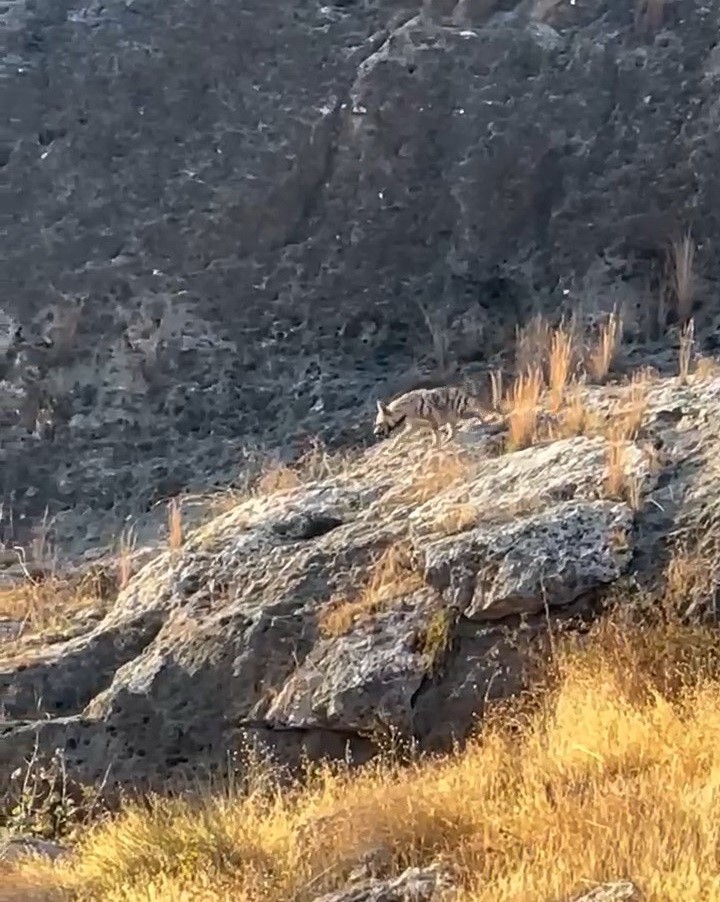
x=126, y=547
x=175, y=537
x=576, y=417
x=560, y=366
x=532, y=345
x=627, y=419
x=601, y=357
x=682, y=272
x=523, y=406
x=394, y=575
x=685, y=352
x=615, y=479
x=496, y=389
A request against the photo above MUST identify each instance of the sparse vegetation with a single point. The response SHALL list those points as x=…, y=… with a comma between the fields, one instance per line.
x=393, y=576
x=560, y=366
x=523, y=407
x=455, y=517
x=601, y=356
x=49, y=606
x=429, y=477
x=435, y=637
x=175, y=535
x=685, y=353
x=616, y=467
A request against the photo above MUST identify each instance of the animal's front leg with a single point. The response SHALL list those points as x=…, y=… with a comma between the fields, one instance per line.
x=450, y=431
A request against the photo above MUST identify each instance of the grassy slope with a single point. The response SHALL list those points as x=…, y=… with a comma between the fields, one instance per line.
x=614, y=774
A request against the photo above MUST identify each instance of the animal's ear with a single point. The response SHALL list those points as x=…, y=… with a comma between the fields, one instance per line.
x=380, y=407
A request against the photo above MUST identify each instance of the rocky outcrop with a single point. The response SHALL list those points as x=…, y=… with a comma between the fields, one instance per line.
x=393, y=598
x=229, y=225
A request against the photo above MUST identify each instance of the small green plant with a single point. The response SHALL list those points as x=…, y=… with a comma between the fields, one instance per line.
x=43, y=800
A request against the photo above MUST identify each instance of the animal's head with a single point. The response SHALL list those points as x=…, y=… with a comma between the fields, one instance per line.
x=383, y=421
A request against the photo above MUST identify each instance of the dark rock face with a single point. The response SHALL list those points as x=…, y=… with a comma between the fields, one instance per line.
x=221, y=223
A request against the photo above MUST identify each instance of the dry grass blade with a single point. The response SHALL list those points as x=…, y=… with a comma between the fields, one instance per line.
x=393, y=576
x=124, y=559
x=685, y=352
x=576, y=417
x=601, y=357
x=496, y=389
x=560, y=366
x=532, y=345
x=682, y=267
x=429, y=478
x=523, y=407
x=615, y=463
x=175, y=535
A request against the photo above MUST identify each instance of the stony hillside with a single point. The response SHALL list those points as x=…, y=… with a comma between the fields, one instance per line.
x=229, y=225
x=387, y=595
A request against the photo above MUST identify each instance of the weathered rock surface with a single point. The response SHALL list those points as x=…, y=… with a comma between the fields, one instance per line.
x=380, y=601
x=413, y=885
x=219, y=221
x=622, y=891
x=13, y=848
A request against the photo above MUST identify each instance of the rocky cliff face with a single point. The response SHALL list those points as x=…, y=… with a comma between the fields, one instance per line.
x=229, y=224
x=392, y=596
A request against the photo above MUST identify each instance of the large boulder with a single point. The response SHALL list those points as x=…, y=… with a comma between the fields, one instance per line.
x=396, y=598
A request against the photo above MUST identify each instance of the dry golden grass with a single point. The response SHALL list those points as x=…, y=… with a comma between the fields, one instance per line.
x=615, y=476
x=560, y=364
x=532, y=345
x=126, y=547
x=615, y=773
x=454, y=518
x=175, y=535
x=626, y=421
x=685, y=352
x=429, y=477
x=522, y=407
x=706, y=368
x=277, y=478
x=51, y=605
x=393, y=576
x=600, y=357
x=576, y=417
